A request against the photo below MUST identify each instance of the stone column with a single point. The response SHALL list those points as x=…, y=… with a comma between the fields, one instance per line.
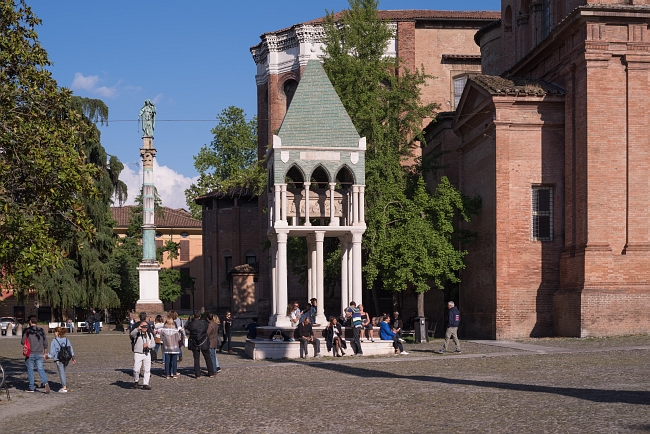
x=345, y=299
x=307, y=222
x=281, y=319
x=320, y=277
x=148, y=269
x=333, y=220
x=350, y=267
x=275, y=309
x=283, y=195
x=311, y=266
x=356, y=268
x=362, y=205
x=355, y=206
x=276, y=203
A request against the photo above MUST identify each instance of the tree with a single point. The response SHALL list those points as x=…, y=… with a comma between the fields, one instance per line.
x=44, y=172
x=231, y=159
x=408, y=242
x=87, y=278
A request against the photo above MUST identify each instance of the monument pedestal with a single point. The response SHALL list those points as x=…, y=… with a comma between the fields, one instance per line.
x=149, y=285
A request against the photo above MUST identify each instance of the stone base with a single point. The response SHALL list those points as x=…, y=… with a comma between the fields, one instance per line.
x=152, y=309
x=261, y=349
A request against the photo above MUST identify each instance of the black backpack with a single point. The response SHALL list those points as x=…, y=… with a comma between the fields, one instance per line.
x=65, y=353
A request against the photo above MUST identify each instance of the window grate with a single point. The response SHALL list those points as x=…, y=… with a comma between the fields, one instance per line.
x=542, y=213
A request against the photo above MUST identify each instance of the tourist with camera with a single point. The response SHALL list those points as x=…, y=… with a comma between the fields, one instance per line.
x=142, y=343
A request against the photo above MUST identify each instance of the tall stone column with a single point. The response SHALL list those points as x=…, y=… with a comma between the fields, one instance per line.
x=275, y=309
x=281, y=319
x=356, y=267
x=320, y=278
x=345, y=299
x=149, y=300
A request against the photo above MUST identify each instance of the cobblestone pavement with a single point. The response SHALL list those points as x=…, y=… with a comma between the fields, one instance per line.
x=596, y=385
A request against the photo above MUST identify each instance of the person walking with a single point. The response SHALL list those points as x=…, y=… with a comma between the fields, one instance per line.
x=453, y=320
x=227, y=332
x=142, y=343
x=213, y=336
x=357, y=327
x=37, y=352
x=59, y=342
x=199, y=344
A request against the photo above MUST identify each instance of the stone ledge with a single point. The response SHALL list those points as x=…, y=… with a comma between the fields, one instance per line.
x=261, y=349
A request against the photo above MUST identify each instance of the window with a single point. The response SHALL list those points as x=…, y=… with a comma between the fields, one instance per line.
x=184, y=282
x=542, y=213
x=185, y=250
x=251, y=260
x=228, y=263
x=459, y=86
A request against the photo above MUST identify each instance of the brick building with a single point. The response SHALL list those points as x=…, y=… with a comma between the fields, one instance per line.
x=554, y=138
x=176, y=225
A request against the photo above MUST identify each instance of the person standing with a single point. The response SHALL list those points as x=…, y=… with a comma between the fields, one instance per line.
x=98, y=321
x=199, y=344
x=366, y=322
x=38, y=353
x=386, y=334
x=453, y=320
x=213, y=336
x=142, y=343
x=227, y=332
x=59, y=342
x=357, y=326
x=170, y=337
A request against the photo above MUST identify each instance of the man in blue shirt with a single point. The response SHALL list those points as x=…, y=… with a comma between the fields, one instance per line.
x=357, y=325
x=452, y=328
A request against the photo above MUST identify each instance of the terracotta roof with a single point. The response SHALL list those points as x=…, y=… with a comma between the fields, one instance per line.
x=174, y=218
x=230, y=193
x=413, y=15
x=515, y=85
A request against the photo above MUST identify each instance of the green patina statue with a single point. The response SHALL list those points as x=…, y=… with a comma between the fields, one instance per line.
x=148, y=118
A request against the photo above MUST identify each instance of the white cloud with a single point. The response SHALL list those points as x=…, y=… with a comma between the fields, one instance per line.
x=84, y=83
x=89, y=84
x=170, y=184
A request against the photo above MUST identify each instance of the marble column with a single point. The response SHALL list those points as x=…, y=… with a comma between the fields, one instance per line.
x=281, y=319
x=345, y=299
x=333, y=219
x=356, y=267
x=355, y=206
x=276, y=203
x=320, y=278
x=283, y=199
x=306, y=194
x=362, y=205
x=311, y=267
x=275, y=309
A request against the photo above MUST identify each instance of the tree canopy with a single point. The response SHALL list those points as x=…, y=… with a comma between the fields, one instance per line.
x=230, y=160
x=45, y=174
x=408, y=242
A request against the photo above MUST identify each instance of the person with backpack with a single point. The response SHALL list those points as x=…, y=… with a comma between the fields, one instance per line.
x=62, y=353
x=34, y=344
x=142, y=342
x=453, y=322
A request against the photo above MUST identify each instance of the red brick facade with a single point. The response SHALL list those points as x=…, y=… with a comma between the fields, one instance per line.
x=588, y=143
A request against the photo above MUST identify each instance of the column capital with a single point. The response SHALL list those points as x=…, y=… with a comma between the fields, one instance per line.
x=320, y=236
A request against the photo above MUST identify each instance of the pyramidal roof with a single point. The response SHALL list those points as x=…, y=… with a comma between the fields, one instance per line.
x=316, y=116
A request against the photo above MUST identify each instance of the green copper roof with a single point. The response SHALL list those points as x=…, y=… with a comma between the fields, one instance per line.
x=316, y=116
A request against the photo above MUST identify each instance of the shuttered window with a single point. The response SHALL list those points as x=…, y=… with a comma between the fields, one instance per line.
x=185, y=250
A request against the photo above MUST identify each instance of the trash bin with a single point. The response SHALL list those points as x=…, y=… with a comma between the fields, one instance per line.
x=421, y=328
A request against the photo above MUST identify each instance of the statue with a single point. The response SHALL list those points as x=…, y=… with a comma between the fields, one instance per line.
x=148, y=117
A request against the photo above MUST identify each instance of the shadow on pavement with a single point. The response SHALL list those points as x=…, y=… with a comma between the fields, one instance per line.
x=594, y=395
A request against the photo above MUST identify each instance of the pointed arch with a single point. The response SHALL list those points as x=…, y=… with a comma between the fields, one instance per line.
x=345, y=177
x=319, y=178
x=295, y=177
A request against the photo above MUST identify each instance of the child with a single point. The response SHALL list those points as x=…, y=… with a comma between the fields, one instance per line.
x=60, y=341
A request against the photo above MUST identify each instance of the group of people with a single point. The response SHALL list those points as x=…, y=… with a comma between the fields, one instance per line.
x=204, y=337
x=35, y=350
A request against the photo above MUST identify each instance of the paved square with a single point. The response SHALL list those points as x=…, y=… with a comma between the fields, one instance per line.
x=548, y=385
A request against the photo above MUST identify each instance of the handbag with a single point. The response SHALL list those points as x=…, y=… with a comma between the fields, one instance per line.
x=27, y=347
x=277, y=336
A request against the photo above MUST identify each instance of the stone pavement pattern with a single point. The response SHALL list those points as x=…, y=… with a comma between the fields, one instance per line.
x=596, y=385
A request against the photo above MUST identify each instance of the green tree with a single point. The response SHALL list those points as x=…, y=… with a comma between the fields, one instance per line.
x=409, y=237
x=45, y=175
x=87, y=278
x=231, y=159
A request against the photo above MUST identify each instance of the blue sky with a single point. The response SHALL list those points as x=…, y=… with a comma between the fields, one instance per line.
x=191, y=58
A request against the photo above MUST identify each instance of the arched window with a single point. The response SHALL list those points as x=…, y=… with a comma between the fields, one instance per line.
x=507, y=19
x=289, y=88
x=344, y=178
x=319, y=179
x=294, y=178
